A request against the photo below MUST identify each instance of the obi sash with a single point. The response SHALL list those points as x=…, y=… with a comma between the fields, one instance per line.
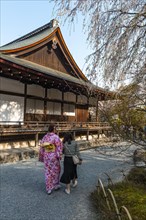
x=48, y=147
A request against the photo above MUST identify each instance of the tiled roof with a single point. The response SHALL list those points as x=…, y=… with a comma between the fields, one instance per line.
x=36, y=36
x=32, y=37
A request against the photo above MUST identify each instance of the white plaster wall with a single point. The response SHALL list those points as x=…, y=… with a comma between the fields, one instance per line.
x=35, y=90
x=54, y=94
x=11, y=108
x=11, y=85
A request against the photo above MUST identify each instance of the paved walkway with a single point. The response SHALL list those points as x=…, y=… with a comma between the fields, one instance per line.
x=23, y=195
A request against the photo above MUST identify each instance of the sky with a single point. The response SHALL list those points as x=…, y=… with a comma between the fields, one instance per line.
x=19, y=17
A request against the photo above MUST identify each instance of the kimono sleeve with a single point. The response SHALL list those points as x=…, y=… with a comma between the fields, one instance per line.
x=41, y=150
x=41, y=154
x=59, y=146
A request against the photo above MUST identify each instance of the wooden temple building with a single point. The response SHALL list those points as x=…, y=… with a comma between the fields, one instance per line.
x=40, y=83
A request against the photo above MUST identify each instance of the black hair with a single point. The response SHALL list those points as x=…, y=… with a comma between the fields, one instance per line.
x=51, y=128
x=68, y=137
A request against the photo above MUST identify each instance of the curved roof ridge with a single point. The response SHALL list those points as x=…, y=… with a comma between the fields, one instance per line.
x=51, y=24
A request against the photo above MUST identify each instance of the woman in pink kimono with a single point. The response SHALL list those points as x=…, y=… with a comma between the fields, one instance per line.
x=51, y=151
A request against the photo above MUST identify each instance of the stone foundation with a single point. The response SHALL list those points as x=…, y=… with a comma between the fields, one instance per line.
x=139, y=157
x=16, y=151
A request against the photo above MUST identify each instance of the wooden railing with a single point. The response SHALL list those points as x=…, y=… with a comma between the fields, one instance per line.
x=41, y=126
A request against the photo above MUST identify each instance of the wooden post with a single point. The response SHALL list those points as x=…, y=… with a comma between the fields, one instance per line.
x=45, y=106
x=107, y=133
x=97, y=110
x=87, y=135
x=36, y=139
x=74, y=135
x=89, y=116
x=25, y=100
x=62, y=106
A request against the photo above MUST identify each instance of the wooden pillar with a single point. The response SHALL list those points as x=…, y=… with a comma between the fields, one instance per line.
x=45, y=105
x=62, y=106
x=74, y=135
x=97, y=109
x=89, y=117
x=87, y=135
x=76, y=112
x=25, y=100
x=36, y=139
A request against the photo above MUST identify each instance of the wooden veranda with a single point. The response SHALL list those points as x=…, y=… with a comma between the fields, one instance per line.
x=34, y=130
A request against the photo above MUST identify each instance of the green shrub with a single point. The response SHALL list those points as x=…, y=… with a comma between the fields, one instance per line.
x=137, y=175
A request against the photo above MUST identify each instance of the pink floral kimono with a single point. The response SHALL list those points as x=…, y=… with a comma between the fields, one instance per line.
x=52, y=160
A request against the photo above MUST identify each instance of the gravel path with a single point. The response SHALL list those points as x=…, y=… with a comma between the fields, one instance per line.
x=23, y=195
